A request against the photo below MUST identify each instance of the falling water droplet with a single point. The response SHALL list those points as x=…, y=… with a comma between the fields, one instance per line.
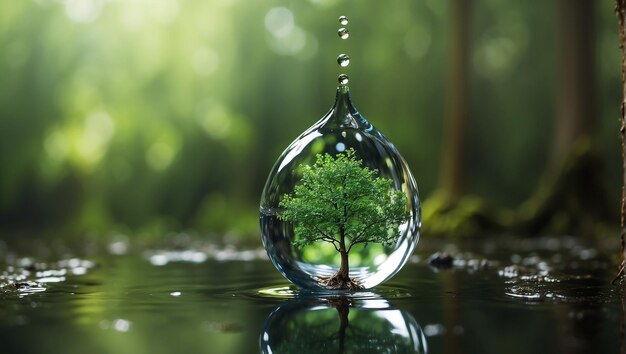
x=343, y=33
x=343, y=20
x=343, y=60
x=343, y=79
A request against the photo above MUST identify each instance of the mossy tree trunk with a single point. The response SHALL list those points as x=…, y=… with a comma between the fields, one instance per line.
x=571, y=198
x=451, y=210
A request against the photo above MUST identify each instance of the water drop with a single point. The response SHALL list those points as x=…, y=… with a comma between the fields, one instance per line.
x=343, y=33
x=343, y=79
x=343, y=20
x=343, y=60
x=343, y=129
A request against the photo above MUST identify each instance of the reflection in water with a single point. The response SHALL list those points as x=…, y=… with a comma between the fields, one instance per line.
x=340, y=325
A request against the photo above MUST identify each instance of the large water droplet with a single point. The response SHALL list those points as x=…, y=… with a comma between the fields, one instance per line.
x=341, y=130
x=343, y=60
x=343, y=79
x=343, y=33
x=343, y=20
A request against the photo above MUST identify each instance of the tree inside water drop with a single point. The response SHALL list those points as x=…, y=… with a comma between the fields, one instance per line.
x=340, y=202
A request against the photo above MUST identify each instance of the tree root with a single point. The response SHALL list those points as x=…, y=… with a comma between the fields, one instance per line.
x=337, y=282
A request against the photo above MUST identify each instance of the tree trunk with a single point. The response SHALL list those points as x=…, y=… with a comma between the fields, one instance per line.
x=344, y=270
x=341, y=279
x=575, y=81
x=452, y=162
x=621, y=12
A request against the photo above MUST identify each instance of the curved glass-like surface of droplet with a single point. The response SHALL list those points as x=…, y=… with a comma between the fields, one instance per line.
x=342, y=128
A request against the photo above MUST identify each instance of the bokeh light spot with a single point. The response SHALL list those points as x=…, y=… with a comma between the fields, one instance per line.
x=83, y=11
x=279, y=21
x=159, y=156
x=205, y=61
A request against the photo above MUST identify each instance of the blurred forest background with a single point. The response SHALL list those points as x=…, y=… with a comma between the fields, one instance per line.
x=148, y=116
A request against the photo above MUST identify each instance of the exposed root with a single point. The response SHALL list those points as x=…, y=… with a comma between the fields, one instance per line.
x=337, y=282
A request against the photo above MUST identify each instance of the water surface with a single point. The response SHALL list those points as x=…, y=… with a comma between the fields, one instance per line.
x=549, y=295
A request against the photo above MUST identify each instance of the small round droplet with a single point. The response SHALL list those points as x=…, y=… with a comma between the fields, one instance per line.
x=343, y=20
x=343, y=33
x=343, y=60
x=343, y=79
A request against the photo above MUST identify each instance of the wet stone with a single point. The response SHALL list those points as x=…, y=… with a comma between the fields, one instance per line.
x=441, y=261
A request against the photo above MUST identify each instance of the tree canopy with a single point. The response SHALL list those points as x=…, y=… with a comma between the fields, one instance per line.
x=338, y=200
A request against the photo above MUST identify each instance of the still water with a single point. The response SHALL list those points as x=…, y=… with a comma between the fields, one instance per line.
x=550, y=295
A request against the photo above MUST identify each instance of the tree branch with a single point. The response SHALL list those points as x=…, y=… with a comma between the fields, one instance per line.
x=326, y=237
x=357, y=240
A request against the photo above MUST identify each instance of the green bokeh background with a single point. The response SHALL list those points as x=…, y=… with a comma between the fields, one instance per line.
x=149, y=116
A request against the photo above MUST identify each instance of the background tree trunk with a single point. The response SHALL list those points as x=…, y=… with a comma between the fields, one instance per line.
x=575, y=82
x=572, y=198
x=452, y=162
x=450, y=211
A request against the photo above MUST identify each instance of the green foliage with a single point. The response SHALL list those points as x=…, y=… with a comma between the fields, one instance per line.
x=340, y=201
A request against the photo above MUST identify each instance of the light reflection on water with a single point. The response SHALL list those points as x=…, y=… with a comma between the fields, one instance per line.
x=529, y=299
x=291, y=291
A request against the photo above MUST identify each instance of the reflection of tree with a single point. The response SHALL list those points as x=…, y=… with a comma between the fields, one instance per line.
x=339, y=326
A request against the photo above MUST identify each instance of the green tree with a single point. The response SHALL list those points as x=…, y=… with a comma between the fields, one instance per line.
x=343, y=203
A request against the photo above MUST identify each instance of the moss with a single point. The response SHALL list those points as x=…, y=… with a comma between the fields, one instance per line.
x=467, y=216
x=572, y=199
